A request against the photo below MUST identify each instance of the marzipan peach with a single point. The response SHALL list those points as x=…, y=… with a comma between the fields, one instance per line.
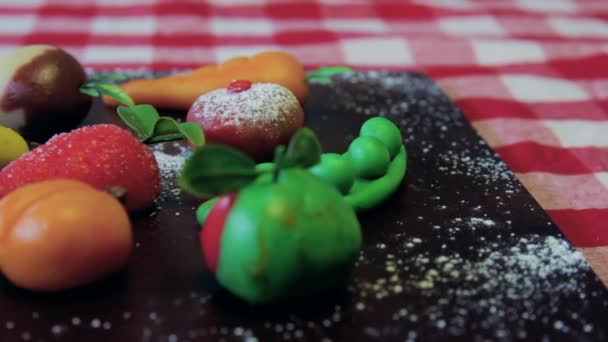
x=59, y=234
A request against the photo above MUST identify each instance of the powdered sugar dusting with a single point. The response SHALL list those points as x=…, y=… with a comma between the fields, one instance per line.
x=169, y=164
x=499, y=287
x=485, y=169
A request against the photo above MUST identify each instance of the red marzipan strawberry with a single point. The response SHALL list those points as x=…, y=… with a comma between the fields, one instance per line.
x=101, y=155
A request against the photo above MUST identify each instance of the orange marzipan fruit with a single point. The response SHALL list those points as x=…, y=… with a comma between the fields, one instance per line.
x=180, y=91
x=59, y=234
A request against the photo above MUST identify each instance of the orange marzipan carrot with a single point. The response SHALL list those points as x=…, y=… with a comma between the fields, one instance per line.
x=180, y=91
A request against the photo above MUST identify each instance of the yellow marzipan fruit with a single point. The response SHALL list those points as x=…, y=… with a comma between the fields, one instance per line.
x=12, y=146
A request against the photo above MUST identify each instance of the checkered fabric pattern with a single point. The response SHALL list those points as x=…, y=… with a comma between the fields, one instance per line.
x=531, y=75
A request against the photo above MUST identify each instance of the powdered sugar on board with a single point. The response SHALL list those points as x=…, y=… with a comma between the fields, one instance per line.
x=501, y=287
x=170, y=158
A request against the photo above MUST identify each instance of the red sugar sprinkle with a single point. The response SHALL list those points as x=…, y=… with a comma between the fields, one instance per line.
x=238, y=86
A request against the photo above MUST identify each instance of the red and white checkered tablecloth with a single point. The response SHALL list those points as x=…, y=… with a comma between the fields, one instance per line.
x=531, y=75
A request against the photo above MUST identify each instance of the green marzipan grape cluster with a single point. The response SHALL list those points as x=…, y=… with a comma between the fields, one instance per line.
x=368, y=156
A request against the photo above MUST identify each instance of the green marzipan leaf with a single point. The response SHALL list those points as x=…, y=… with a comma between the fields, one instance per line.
x=116, y=92
x=164, y=137
x=193, y=132
x=324, y=74
x=141, y=118
x=279, y=161
x=304, y=150
x=107, y=77
x=215, y=170
x=167, y=129
x=165, y=126
x=279, y=155
x=89, y=91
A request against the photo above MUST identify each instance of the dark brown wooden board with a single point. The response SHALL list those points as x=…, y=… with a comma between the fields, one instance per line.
x=460, y=250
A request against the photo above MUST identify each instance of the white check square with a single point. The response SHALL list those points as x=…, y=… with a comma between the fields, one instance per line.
x=500, y=52
x=21, y=3
x=111, y=54
x=223, y=53
x=380, y=52
x=579, y=133
x=529, y=88
x=241, y=26
x=124, y=25
x=11, y=24
x=355, y=25
x=603, y=177
x=484, y=25
x=565, y=6
x=577, y=27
